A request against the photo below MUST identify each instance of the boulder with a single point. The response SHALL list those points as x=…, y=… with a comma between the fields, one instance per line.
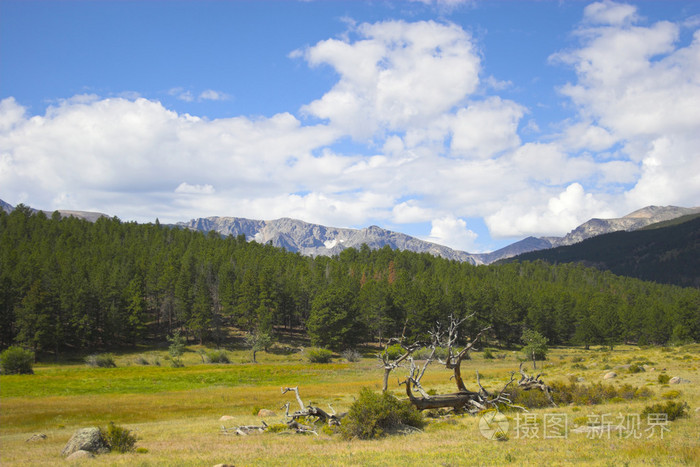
x=225, y=418
x=80, y=455
x=678, y=380
x=610, y=375
x=266, y=413
x=86, y=439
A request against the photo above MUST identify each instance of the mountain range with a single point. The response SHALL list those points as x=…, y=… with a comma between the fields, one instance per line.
x=314, y=239
x=666, y=252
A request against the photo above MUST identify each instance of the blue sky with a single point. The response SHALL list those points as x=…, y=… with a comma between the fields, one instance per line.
x=468, y=123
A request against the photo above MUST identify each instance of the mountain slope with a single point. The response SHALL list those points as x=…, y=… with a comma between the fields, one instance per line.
x=315, y=239
x=669, y=255
x=636, y=220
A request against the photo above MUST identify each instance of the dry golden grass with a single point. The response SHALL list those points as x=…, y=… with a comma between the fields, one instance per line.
x=181, y=427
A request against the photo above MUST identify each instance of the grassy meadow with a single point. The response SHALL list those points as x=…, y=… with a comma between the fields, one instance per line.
x=175, y=411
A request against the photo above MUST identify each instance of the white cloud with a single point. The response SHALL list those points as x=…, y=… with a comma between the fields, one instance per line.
x=449, y=230
x=486, y=128
x=211, y=95
x=397, y=75
x=181, y=94
x=559, y=215
x=11, y=113
x=637, y=87
x=108, y=152
x=186, y=188
x=608, y=12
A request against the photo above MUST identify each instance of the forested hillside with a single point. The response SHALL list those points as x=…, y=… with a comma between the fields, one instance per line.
x=71, y=284
x=668, y=252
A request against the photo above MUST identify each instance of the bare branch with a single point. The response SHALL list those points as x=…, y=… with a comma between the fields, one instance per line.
x=296, y=391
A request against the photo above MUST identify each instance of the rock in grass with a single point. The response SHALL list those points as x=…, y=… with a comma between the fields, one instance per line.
x=86, y=439
x=678, y=380
x=80, y=455
x=610, y=375
x=225, y=418
x=266, y=413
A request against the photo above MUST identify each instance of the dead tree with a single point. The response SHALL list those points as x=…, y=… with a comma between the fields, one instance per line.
x=244, y=430
x=527, y=383
x=307, y=412
x=390, y=365
x=464, y=400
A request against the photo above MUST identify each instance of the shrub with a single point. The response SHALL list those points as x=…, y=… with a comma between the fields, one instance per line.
x=673, y=394
x=374, y=415
x=488, y=355
x=119, y=438
x=16, y=360
x=395, y=351
x=103, y=360
x=424, y=352
x=320, y=355
x=579, y=394
x=217, y=356
x=351, y=355
x=277, y=428
x=635, y=368
x=672, y=409
x=664, y=379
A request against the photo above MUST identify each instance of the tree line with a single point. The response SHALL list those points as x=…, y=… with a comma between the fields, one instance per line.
x=69, y=284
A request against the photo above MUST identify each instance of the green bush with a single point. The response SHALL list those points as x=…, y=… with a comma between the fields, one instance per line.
x=395, y=351
x=673, y=394
x=424, y=352
x=635, y=368
x=277, y=428
x=104, y=360
x=119, y=438
x=488, y=355
x=672, y=409
x=319, y=355
x=374, y=415
x=664, y=379
x=16, y=360
x=217, y=356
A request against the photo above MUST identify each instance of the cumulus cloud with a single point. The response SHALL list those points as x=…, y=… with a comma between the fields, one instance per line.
x=449, y=230
x=396, y=75
x=186, y=188
x=638, y=87
x=559, y=215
